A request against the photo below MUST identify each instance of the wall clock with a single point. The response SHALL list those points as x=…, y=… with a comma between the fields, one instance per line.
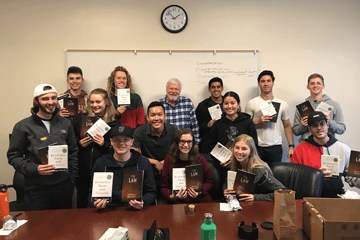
x=174, y=19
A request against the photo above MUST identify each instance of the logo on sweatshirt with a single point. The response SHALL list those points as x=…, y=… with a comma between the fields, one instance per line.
x=43, y=138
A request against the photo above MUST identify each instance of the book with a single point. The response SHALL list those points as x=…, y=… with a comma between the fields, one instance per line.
x=331, y=162
x=86, y=123
x=277, y=109
x=132, y=185
x=231, y=175
x=267, y=108
x=305, y=109
x=102, y=186
x=324, y=108
x=99, y=127
x=56, y=155
x=178, y=179
x=215, y=111
x=243, y=182
x=221, y=153
x=71, y=105
x=354, y=164
x=123, y=96
x=194, y=177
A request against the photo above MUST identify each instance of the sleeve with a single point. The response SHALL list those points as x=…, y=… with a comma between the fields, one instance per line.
x=140, y=115
x=194, y=124
x=298, y=128
x=137, y=138
x=296, y=157
x=207, y=177
x=202, y=121
x=252, y=131
x=149, y=188
x=213, y=136
x=249, y=109
x=17, y=153
x=337, y=124
x=265, y=185
x=73, y=154
x=166, y=179
x=76, y=123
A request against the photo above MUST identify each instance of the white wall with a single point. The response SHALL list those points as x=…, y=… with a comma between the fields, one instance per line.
x=296, y=39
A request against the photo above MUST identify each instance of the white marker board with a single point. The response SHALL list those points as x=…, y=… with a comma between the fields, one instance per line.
x=150, y=70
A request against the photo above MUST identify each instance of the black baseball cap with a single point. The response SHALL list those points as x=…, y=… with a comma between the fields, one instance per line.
x=121, y=130
x=316, y=117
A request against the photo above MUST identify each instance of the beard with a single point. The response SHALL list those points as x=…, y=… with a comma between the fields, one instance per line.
x=45, y=110
x=172, y=98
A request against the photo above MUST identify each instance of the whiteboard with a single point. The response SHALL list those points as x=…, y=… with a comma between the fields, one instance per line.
x=150, y=70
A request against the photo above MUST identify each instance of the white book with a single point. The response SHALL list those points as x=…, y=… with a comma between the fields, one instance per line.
x=178, y=179
x=331, y=162
x=221, y=153
x=215, y=111
x=99, y=127
x=123, y=96
x=61, y=103
x=58, y=156
x=267, y=108
x=231, y=179
x=324, y=108
x=102, y=185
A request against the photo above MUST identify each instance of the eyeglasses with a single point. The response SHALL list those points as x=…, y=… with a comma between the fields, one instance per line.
x=119, y=140
x=182, y=142
x=316, y=125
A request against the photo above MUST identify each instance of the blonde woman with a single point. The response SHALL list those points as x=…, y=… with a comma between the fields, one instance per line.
x=246, y=158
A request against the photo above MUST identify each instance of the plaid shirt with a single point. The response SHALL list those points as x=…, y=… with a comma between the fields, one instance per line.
x=182, y=115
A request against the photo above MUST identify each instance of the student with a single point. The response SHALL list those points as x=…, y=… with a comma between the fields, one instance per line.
x=131, y=115
x=153, y=139
x=246, y=158
x=44, y=188
x=121, y=159
x=335, y=119
x=100, y=106
x=182, y=153
x=75, y=80
x=320, y=143
x=232, y=123
x=202, y=112
x=180, y=110
x=269, y=133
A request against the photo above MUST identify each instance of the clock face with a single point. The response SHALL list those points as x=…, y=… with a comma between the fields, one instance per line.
x=174, y=19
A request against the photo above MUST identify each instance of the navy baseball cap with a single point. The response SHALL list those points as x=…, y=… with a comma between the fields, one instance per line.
x=316, y=117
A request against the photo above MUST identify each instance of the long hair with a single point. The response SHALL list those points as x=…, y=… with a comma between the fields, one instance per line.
x=253, y=160
x=234, y=95
x=109, y=115
x=174, y=152
x=111, y=85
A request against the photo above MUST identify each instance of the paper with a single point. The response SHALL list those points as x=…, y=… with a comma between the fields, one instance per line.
x=215, y=112
x=221, y=153
x=231, y=176
x=102, y=185
x=267, y=108
x=123, y=96
x=179, y=179
x=331, y=162
x=119, y=233
x=58, y=156
x=100, y=127
x=7, y=232
x=225, y=207
x=324, y=108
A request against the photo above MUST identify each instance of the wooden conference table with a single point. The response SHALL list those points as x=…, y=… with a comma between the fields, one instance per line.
x=92, y=224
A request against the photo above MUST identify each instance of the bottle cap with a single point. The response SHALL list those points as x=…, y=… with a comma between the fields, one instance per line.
x=208, y=216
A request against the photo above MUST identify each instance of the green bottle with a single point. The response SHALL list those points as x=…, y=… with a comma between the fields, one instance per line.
x=208, y=228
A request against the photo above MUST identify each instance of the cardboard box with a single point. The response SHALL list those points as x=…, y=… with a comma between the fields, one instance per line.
x=331, y=218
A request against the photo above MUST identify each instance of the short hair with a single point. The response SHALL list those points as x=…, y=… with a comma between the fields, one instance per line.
x=74, y=69
x=216, y=79
x=174, y=81
x=111, y=85
x=316, y=75
x=155, y=104
x=266, y=72
x=232, y=94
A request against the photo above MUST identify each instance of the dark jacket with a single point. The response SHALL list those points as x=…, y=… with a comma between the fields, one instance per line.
x=29, y=135
x=136, y=162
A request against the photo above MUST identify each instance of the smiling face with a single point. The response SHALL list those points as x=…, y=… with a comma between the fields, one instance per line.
x=120, y=80
x=185, y=144
x=97, y=104
x=241, y=151
x=173, y=91
x=315, y=86
x=47, y=104
x=156, y=117
x=230, y=105
x=215, y=90
x=266, y=84
x=121, y=144
x=75, y=80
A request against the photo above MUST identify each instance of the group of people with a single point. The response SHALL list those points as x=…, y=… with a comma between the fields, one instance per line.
x=175, y=135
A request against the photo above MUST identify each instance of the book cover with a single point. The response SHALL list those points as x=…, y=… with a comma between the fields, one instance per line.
x=178, y=179
x=43, y=153
x=194, y=177
x=102, y=186
x=243, y=182
x=277, y=109
x=304, y=109
x=72, y=105
x=86, y=124
x=354, y=164
x=132, y=185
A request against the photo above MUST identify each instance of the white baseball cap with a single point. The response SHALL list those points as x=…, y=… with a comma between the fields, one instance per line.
x=43, y=89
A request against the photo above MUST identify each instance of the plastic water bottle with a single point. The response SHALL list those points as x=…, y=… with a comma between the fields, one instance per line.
x=208, y=228
x=4, y=201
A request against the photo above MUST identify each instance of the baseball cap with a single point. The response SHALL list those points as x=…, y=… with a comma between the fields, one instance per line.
x=121, y=130
x=43, y=89
x=316, y=117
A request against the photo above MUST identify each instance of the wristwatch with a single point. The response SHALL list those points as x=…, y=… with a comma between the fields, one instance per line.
x=292, y=145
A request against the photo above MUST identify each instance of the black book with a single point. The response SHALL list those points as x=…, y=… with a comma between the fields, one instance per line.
x=194, y=177
x=277, y=109
x=72, y=105
x=86, y=124
x=354, y=164
x=132, y=185
x=305, y=109
x=243, y=182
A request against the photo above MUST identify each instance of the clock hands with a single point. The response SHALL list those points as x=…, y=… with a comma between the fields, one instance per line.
x=176, y=17
x=172, y=15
